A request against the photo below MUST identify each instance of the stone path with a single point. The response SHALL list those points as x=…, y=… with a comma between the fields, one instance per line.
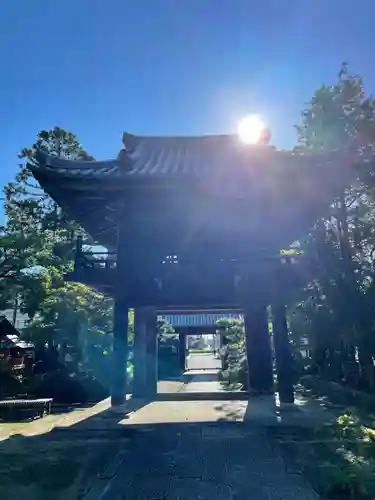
x=179, y=448
x=204, y=361
x=198, y=382
x=226, y=461
x=199, y=450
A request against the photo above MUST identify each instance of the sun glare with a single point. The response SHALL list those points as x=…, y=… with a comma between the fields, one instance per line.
x=250, y=129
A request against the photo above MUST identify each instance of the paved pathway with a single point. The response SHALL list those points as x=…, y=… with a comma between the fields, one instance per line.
x=179, y=449
x=201, y=374
x=205, y=381
x=198, y=450
x=204, y=361
x=226, y=461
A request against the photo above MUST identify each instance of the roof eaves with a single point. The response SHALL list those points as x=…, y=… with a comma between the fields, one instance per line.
x=64, y=167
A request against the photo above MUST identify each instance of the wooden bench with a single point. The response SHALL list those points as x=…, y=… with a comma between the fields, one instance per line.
x=11, y=407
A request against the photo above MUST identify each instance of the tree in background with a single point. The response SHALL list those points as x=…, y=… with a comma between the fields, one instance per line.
x=233, y=352
x=335, y=310
x=37, y=244
x=35, y=225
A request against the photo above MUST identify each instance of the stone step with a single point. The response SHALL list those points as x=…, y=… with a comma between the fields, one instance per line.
x=198, y=396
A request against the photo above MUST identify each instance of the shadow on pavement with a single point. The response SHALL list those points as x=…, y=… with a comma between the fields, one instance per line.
x=199, y=377
x=207, y=396
x=49, y=460
x=220, y=452
x=205, y=460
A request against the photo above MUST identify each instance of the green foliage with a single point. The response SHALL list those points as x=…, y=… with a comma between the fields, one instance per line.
x=335, y=309
x=167, y=334
x=233, y=352
x=37, y=247
x=10, y=382
x=67, y=388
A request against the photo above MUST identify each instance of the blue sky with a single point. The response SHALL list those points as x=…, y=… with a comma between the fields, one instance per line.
x=99, y=67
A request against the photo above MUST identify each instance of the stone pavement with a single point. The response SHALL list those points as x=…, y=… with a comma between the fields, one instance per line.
x=202, y=461
x=184, y=449
x=201, y=381
x=202, y=361
x=183, y=445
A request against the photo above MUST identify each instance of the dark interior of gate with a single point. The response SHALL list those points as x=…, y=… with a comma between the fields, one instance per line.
x=195, y=224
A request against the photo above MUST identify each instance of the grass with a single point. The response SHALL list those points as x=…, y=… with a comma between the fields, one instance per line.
x=39, y=462
x=338, y=458
x=38, y=470
x=50, y=470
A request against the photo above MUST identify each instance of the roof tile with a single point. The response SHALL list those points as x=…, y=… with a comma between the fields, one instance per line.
x=197, y=320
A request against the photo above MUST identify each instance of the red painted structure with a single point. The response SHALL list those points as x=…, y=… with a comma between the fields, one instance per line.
x=12, y=349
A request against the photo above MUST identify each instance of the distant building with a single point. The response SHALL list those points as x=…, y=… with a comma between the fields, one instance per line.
x=304, y=347
x=21, y=319
x=13, y=350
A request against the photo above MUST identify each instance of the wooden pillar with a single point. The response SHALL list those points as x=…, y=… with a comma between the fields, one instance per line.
x=78, y=254
x=120, y=323
x=258, y=350
x=223, y=342
x=182, y=351
x=284, y=359
x=216, y=341
x=120, y=352
x=151, y=385
x=139, y=353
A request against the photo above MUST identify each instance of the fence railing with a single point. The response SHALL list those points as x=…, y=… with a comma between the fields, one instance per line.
x=96, y=260
x=108, y=260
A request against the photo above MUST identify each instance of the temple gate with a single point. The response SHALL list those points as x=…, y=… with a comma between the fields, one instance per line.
x=193, y=324
x=195, y=223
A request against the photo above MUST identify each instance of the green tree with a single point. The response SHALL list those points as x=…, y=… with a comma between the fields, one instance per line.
x=39, y=239
x=334, y=304
x=335, y=307
x=233, y=351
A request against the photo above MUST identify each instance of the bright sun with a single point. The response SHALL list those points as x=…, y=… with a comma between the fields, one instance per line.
x=250, y=129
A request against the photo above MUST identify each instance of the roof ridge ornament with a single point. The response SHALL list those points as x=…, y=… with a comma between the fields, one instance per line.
x=124, y=160
x=126, y=139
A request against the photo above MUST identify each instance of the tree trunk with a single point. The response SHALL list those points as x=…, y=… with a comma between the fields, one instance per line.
x=15, y=310
x=366, y=366
x=350, y=365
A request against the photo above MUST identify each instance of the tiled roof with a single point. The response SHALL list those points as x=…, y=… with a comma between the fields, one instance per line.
x=196, y=320
x=185, y=155
x=289, y=189
x=74, y=168
x=171, y=156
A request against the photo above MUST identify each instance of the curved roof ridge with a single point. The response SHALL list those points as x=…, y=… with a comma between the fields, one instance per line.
x=180, y=156
x=49, y=160
x=187, y=136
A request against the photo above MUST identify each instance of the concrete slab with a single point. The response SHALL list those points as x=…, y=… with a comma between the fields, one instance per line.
x=201, y=381
x=169, y=386
x=184, y=411
x=262, y=411
x=202, y=361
